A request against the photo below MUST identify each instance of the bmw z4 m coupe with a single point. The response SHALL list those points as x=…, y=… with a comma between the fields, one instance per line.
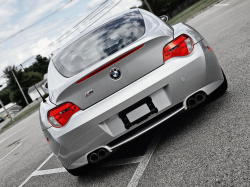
x=107, y=84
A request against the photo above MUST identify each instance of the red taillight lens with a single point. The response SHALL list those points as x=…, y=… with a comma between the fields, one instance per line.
x=59, y=116
x=181, y=46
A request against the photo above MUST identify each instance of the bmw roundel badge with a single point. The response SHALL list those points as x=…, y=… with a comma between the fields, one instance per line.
x=115, y=73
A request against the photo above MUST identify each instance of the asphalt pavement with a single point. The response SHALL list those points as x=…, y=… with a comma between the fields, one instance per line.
x=206, y=146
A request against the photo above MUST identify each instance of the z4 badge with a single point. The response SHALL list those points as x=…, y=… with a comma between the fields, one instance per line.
x=88, y=93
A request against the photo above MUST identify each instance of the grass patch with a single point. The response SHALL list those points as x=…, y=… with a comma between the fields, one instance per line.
x=20, y=116
x=191, y=11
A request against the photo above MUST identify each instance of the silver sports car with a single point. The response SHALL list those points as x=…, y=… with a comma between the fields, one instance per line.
x=106, y=85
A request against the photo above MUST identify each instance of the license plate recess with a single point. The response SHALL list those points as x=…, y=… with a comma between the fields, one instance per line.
x=148, y=102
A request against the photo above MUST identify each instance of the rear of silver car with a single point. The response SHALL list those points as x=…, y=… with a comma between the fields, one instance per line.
x=113, y=111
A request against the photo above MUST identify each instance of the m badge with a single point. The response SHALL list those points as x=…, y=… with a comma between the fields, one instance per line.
x=88, y=93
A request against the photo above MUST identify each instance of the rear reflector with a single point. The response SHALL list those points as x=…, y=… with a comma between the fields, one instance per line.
x=59, y=116
x=209, y=49
x=181, y=46
x=109, y=64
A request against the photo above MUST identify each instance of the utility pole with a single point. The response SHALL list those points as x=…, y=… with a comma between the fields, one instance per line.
x=20, y=88
x=148, y=6
x=6, y=110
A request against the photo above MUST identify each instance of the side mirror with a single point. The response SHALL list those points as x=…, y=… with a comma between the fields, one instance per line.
x=46, y=85
x=164, y=18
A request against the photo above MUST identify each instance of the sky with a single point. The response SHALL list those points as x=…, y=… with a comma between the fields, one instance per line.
x=29, y=28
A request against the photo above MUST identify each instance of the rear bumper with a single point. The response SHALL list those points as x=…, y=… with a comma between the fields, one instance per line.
x=168, y=86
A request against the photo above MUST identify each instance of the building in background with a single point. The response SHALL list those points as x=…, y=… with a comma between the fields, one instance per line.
x=11, y=107
x=40, y=86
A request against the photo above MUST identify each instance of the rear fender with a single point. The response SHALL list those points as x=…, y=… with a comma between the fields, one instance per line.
x=182, y=28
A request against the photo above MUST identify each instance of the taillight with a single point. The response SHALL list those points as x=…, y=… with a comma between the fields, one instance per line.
x=181, y=46
x=59, y=116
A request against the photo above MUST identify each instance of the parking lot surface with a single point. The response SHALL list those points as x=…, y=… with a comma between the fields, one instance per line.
x=206, y=146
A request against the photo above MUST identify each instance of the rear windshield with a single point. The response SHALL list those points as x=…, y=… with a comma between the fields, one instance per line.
x=100, y=43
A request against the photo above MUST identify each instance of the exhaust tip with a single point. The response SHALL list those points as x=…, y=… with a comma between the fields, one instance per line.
x=199, y=97
x=93, y=157
x=191, y=102
x=101, y=153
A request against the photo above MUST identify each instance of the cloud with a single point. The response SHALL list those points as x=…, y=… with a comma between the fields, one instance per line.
x=7, y=10
x=36, y=40
x=94, y=4
x=40, y=9
x=72, y=3
x=124, y=5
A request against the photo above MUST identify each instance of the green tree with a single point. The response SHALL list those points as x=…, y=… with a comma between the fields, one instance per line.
x=33, y=74
x=4, y=96
x=26, y=80
x=166, y=7
x=41, y=65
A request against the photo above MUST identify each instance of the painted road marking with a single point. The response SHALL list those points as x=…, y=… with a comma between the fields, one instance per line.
x=146, y=158
x=48, y=171
x=121, y=162
x=24, y=182
x=11, y=135
x=221, y=5
x=117, y=162
x=142, y=160
x=11, y=151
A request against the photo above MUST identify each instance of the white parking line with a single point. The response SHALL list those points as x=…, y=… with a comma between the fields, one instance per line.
x=11, y=135
x=24, y=182
x=143, y=160
x=221, y=5
x=143, y=164
x=11, y=151
x=124, y=161
x=48, y=171
x=118, y=162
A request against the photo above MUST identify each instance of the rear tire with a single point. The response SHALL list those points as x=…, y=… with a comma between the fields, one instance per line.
x=220, y=90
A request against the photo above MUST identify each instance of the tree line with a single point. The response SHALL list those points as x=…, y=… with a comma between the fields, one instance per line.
x=32, y=75
x=166, y=7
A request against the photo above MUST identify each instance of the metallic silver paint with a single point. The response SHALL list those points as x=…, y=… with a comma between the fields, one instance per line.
x=98, y=124
x=182, y=28
x=156, y=36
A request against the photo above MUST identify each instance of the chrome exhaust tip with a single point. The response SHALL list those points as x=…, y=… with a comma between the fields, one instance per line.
x=191, y=102
x=93, y=157
x=199, y=97
x=101, y=153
